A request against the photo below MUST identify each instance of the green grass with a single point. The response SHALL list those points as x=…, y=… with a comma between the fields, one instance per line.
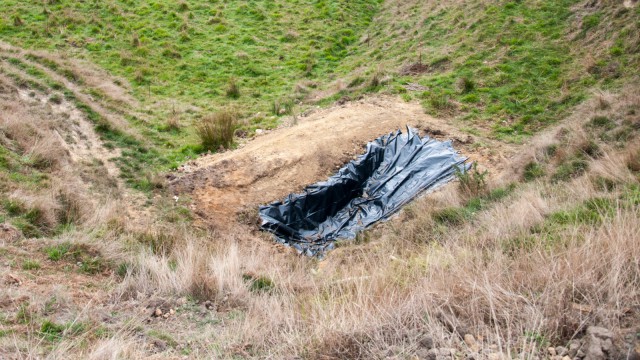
x=452, y=216
x=30, y=265
x=512, y=65
x=532, y=171
x=57, y=252
x=53, y=332
x=191, y=52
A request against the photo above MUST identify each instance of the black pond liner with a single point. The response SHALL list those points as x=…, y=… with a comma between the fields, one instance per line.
x=395, y=169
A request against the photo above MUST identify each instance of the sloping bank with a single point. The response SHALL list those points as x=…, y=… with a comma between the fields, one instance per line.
x=394, y=169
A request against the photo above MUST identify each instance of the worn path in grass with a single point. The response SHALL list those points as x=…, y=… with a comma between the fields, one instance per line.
x=227, y=187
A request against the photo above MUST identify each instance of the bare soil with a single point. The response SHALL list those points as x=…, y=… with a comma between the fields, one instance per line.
x=227, y=186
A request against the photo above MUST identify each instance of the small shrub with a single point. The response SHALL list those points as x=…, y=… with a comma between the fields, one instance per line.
x=30, y=265
x=173, y=123
x=438, y=101
x=532, y=171
x=233, y=90
x=17, y=21
x=591, y=148
x=70, y=209
x=216, y=130
x=633, y=162
x=56, y=99
x=472, y=181
x=465, y=85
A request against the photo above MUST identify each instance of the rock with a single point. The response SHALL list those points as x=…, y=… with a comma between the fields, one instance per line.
x=599, y=343
x=552, y=351
x=469, y=340
x=566, y=357
x=432, y=354
x=574, y=346
x=422, y=353
x=580, y=353
x=594, y=351
x=160, y=345
x=562, y=351
x=599, y=332
x=426, y=342
x=471, y=343
x=157, y=313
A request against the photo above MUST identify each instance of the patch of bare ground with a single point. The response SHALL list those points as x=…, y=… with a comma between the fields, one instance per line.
x=285, y=160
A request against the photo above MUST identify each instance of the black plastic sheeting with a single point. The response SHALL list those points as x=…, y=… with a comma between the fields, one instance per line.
x=395, y=169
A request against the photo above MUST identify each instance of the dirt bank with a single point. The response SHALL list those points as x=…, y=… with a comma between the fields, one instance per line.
x=285, y=160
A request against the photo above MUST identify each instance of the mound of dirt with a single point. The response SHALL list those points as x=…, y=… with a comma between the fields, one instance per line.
x=283, y=161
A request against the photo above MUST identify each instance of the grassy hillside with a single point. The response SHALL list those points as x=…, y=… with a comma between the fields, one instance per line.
x=103, y=256
x=190, y=51
x=513, y=67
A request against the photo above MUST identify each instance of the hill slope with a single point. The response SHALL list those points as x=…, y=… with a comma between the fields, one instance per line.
x=121, y=238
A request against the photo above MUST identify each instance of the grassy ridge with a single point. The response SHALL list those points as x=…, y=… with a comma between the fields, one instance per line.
x=192, y=50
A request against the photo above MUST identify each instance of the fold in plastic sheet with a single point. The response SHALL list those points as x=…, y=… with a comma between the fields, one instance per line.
x=394, y=169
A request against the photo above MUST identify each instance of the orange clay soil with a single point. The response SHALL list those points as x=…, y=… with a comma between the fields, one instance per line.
x=227, y=187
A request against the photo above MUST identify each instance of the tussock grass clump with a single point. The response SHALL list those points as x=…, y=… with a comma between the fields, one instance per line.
x=233, y=89
x=532, y=171
x=216, y=130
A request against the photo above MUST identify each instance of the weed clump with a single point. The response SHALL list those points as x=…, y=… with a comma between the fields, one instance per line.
x=233, y=89
x=570, y=169
x=472, y=182
x=532, y=171
x=216, y=130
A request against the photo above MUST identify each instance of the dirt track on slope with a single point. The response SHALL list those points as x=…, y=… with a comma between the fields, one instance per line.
x=225, y=185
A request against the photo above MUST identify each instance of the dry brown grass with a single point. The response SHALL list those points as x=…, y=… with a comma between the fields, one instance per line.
x=217, y=130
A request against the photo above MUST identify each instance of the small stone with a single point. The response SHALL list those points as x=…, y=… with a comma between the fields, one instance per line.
x=566, y=357
x=426, y=342
x=574, y=346
x=551, y=351
x=561, y=350
x=469, y=340
x=171, y=311
x=157, y=313
x=599, y=332
x=161, y=345
x=432, y=354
